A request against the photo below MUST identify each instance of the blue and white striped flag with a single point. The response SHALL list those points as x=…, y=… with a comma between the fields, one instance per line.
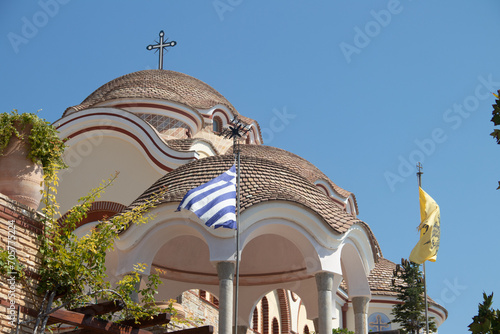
x=214, y=202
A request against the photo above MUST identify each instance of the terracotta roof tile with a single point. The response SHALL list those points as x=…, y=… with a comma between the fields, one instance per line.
x=157, y=84
x=380, y=281
x=294, y=162
x=180, y=144
x=261, y=180
x=184, y=145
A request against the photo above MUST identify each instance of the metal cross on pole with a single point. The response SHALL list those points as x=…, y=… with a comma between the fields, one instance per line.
x=419, y=173
x=235, y=132
x=160, y=46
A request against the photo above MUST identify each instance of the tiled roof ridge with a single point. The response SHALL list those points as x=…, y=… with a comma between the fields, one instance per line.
x=248, y=120
x=321, y=176
x=185, y=144
x=373, y=240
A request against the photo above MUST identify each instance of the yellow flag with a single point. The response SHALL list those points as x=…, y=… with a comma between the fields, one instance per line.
x=428, y=245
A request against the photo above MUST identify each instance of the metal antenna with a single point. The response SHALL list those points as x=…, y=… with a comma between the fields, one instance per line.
x=236, y=131
x=160, y=46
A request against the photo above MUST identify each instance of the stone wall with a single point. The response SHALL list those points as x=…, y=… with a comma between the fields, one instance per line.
x=19, y=229
x=200, y=311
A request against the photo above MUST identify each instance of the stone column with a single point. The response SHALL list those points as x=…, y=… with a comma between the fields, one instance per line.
x=135, y=295
x=324, y=283
x=360, y=306
x=225, y=271
x=242, y=330
x=316, y=324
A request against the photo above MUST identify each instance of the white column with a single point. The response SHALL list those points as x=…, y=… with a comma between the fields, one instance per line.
x=360, y=306
x=324, y=283
x=225, y=271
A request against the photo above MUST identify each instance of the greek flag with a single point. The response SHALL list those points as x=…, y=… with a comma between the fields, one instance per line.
x=214, y=202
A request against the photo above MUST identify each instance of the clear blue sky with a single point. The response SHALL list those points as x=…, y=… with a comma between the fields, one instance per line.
x=369, y=87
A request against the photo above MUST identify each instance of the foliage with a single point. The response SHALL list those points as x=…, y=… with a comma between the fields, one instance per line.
x=496, y=120
x=409, y=285
x=129, y=285
x=487, y=321
x=46, y=148
x=9, y=264
x=12, y=268
x=341, y=331
x=73, y=268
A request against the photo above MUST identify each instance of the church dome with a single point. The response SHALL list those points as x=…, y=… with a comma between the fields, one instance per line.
x=262, y=179
x=295, y=163
x=156, y=84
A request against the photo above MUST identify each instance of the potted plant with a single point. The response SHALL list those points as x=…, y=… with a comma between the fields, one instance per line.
x=29, y=148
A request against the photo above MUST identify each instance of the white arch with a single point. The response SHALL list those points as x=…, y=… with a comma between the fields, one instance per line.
x=354, y=272
x=226, y=116
x=96, y=124
x=187, y=115
x=312, y=225
x=169, y=223
x=289, y=231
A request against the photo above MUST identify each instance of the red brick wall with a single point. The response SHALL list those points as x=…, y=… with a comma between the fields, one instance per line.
x=19, y=229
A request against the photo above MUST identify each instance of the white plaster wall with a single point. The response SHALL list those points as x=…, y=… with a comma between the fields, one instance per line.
x=91, y=162
x=302, y=320
x=337, y=315
x=294, y=311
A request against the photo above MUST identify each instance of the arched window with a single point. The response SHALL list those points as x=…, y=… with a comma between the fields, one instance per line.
x=265, y=316
x=217, y=124
x=306, y=329
x=276, y=326
x=203, y=294
x=214, y=300
x=255, y=320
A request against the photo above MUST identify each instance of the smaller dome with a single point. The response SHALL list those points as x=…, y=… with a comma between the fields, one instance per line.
x=261, y=180
x=292, y=161
x=156, y=84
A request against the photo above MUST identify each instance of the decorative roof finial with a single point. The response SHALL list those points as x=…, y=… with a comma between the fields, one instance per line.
x=162, y=44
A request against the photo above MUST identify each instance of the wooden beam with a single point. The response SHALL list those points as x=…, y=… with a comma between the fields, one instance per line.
x=160, y=319
x=97, y=325
x=96, y=309
x=101, y=308
x=195, y=330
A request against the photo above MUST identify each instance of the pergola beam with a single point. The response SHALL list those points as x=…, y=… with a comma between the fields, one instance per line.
x=159, y=319
x=96, y=325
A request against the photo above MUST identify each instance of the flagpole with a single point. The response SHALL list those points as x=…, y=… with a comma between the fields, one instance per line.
x=419, y=175
x=235, y=131
x=237, y=281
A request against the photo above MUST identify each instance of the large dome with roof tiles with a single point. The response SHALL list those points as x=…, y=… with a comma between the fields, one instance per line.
x=295, y=163
x=157, y=84
x=262, y=179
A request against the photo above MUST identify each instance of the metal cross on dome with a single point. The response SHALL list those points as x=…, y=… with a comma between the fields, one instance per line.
x=160, y=46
